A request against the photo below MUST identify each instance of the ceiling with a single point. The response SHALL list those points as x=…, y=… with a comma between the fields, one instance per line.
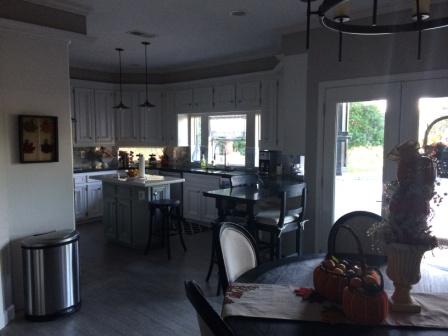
x=190, y=33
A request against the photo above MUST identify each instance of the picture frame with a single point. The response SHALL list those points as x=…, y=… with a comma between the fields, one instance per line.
x=38, y=139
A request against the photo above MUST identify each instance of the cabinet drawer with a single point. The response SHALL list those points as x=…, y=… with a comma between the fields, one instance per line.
x=79, y=179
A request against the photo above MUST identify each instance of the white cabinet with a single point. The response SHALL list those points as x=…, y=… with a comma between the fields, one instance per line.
x=151, y=120
x=94, y=200
x=203, y=99
x=197, y=207
x=104, y=117
x=169, y=119
x=224, y=97
x=88, y=196
x=128, y=120
x=80, y=193
x=184, y=100
x=248, y=95
x=93, y=117
x=84, y=107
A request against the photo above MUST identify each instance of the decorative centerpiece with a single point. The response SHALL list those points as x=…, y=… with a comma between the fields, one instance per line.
x=406, y=225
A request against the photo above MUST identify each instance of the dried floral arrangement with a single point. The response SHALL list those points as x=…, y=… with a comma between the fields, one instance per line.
x=407, y=201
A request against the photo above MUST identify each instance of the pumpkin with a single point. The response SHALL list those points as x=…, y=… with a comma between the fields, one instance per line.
x=329, y=284
x=363, y=307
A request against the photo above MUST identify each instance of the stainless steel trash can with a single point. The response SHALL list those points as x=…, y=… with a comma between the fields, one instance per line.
x=51, y=274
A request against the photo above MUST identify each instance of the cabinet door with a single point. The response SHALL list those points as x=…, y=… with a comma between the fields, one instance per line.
x=128, y=121
x=169, y=119
x=192, y=203
x=124, y=222
x=104, y=117
x=160, y=192
x=209, y=213
x=110, y=218
x=248, y=94
x=151, y=121
x=184, y=100
x=94, y=200
x=203, y=99
x=84, y=102
x=224, y=97
x=80, y=202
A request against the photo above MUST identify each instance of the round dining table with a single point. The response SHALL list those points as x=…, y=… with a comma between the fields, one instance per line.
x=298, y=271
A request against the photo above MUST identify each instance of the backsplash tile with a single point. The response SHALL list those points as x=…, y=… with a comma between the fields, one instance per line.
x=95, y=157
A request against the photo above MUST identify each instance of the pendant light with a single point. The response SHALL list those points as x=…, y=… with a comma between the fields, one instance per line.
x=120, y=106
x=147, y=103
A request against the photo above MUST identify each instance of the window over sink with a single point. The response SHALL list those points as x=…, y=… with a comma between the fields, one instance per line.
x=225, y=139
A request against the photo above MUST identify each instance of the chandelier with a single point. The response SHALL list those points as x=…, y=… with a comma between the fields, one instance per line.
x=419, y=22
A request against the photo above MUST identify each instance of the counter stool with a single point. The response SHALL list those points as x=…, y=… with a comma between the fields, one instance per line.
x=166, y=207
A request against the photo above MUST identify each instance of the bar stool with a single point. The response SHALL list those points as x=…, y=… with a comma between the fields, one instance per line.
x=166, y=207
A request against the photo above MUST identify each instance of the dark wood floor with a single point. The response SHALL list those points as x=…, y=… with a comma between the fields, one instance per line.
x=127, y=293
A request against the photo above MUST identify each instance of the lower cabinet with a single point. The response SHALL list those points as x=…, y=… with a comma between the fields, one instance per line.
x=197, y=207
x=94, y=200
x=126, y=213
x=80, y=193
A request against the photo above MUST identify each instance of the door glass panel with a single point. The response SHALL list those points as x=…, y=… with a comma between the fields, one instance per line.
x=195, y=141
x=359, y=156
x=430, y=110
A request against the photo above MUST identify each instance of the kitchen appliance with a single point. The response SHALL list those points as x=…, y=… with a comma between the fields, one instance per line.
x=269, y=160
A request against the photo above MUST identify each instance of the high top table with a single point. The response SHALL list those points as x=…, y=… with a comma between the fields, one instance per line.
x=298, y=271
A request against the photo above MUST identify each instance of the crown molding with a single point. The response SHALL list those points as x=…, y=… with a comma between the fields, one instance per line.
x=64, y=5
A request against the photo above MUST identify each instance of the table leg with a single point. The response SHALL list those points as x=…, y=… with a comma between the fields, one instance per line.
x=215, y=235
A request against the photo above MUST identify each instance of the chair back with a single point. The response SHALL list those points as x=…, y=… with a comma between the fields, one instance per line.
x=237, y=253
x=210, y=323
x=293, y=203
x=342, y=244
x=244, y=181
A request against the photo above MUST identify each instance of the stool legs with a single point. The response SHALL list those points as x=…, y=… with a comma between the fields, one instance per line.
x=179, y=228
x=148, y=244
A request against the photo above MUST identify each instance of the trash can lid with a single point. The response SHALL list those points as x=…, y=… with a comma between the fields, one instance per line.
x=50, y=239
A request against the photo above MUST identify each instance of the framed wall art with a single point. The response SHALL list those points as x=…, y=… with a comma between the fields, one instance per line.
x=38, y=139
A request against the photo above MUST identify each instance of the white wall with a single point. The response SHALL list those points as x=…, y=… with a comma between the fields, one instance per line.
x=34, y=79
x=292, y=112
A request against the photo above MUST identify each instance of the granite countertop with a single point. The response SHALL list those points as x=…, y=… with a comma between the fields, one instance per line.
x=93, y=170
x=209, y=171
x=147, y=182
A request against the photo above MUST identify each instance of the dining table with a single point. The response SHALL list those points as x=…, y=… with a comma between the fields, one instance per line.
x=266, y=190
x=298, y=272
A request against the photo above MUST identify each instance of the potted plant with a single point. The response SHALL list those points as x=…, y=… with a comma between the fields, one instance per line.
x=407, y=226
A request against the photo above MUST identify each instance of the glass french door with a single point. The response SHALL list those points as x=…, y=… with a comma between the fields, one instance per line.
x=425, y=105
x=361, y=125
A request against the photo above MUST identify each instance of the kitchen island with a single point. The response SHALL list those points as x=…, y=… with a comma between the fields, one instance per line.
x=125, y=206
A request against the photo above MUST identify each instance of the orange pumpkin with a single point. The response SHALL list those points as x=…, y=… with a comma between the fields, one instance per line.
x=363, y=307
x=329, y=284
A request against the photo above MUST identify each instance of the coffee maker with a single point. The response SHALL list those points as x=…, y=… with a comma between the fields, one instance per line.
x=268, y=162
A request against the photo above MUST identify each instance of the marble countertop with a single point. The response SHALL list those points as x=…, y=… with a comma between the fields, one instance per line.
x=147, y=182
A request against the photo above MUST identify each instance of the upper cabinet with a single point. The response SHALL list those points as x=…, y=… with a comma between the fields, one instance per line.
x=248, y=95
x=224, y=97
x=151, y=120
x=84, y=116
x=128, y=120
x=104, y=117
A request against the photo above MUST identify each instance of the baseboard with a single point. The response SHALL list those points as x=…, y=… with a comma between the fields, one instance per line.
x=8, y=315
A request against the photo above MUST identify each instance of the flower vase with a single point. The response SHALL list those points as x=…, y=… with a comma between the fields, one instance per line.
x=403, y=268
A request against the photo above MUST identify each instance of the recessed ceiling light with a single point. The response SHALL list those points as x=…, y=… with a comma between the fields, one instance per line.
x=238, y=13
x=140, y=33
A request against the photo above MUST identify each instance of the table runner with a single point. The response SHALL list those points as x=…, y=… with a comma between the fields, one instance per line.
x=280, y=302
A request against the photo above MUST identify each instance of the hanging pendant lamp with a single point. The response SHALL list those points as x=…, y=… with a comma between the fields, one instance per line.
x=147, y=103
x=120, y=106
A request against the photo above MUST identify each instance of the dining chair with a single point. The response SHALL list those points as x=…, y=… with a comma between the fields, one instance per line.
x=343, y=244
x=210, y=323
x=288, y=217
x=237, y=253
x=251, y=180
